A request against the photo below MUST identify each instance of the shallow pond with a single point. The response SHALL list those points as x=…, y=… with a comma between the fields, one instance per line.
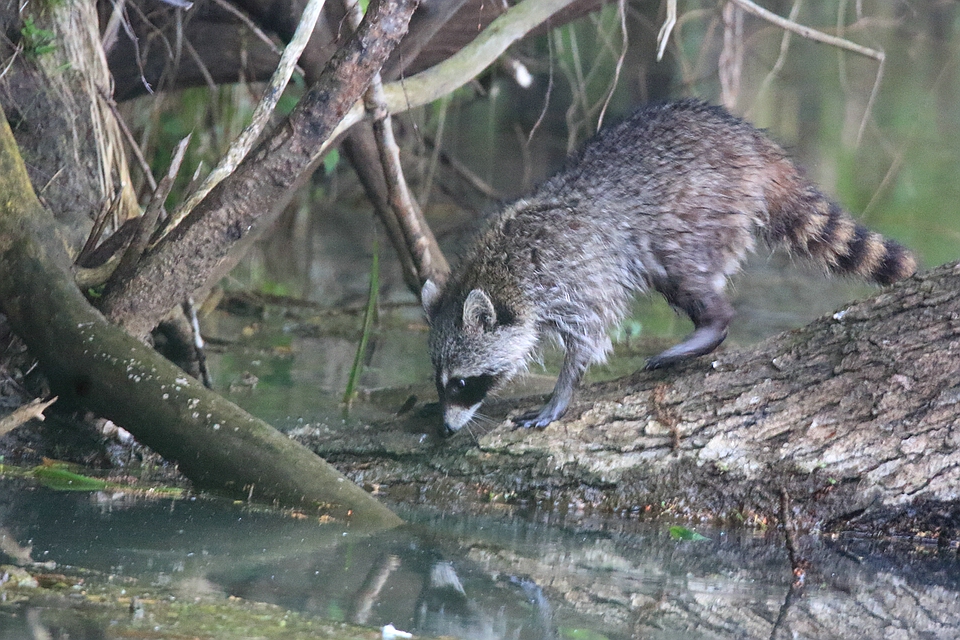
x=453, y=575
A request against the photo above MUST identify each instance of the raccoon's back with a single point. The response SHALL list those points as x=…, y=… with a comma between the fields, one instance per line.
x=696, y=184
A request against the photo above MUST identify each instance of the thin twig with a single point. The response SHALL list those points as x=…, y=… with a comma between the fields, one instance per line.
x=199, y=347
x=808, y=32
x=464, y=172
x=148, y=221
x=201, y=65
x=128, y=136
x=664, y=36
x=368, y=315
x=460, y=68
x=13, y=57
x=241, y=146
x=819, y=36
x=731, y=56
x=119, y=16
x=622, y=13
x=99, y=225
x=442, y=108
x=257, y=31
x=782, y=57
x=549, y=91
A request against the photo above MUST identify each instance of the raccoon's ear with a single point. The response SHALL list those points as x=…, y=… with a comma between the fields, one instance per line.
x=478, y=312
x=428, y=296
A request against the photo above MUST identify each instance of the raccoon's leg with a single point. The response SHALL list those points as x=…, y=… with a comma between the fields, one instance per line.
x=711, y=314
x=571, y=373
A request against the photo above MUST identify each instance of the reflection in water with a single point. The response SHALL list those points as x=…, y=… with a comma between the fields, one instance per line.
x=469, y=576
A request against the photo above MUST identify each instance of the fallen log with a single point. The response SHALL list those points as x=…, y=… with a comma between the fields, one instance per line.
x=855, y=414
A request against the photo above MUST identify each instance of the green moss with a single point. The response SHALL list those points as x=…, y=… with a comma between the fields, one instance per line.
x=36, y=41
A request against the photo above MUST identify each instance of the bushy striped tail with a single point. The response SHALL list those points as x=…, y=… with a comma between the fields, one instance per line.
x=818, y=228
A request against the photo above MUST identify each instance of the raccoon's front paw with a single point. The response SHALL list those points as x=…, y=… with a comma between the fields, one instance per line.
x=537, y=419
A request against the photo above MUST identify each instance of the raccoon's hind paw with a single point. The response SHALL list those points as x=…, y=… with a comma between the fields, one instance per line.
x=699, y=343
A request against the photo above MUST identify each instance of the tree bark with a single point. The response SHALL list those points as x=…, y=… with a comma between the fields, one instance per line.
x=94, y=363
x=205, y=246
x=854, y=416
x=72, y=144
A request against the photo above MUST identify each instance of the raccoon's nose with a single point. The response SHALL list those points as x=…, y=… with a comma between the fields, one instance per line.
x=449, y=429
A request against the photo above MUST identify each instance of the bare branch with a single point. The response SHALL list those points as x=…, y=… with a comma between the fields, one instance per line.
x=664, y=36
x=148, y=221
x=24, y=413
x=254, y=29
x=209, y=242
x=261, y=115
x=454, y=72
x=782, y=57
x=419, y=239
x=808, y=32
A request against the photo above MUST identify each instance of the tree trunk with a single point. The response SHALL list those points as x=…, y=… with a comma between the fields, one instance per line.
x=52, y=96
x=855, y=415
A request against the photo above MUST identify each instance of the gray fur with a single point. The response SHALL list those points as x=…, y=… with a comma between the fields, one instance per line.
x=670, y=200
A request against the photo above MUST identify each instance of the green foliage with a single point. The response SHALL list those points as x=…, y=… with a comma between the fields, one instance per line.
x=686, y=535
x=36, y=41
x=368, y=315
x=273, y=288
x=59, y=478
x=330, y=161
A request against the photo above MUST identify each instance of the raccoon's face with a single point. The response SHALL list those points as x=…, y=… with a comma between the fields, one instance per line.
x=474, y=353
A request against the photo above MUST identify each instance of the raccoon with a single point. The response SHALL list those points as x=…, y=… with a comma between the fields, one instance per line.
x=671, y=200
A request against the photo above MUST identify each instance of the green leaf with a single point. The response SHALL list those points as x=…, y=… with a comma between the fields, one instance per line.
x=689, y=535
x=63, y=480
x=330, y=161
x=36, y=41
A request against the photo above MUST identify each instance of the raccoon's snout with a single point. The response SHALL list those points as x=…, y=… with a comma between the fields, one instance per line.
x=455, y=418
x=461, y=397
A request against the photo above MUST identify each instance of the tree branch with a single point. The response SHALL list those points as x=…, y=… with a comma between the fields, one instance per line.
x=208, y=243
x=457, y=70
x=419, y=239
x=261, y=115
x=94, y=364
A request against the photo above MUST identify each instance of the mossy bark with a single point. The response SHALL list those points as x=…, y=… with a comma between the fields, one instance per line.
x=95, y=364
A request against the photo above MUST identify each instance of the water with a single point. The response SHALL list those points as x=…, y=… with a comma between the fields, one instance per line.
x=461, y=576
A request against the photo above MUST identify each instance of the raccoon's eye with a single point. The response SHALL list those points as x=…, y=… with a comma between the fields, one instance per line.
x=468, y=391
